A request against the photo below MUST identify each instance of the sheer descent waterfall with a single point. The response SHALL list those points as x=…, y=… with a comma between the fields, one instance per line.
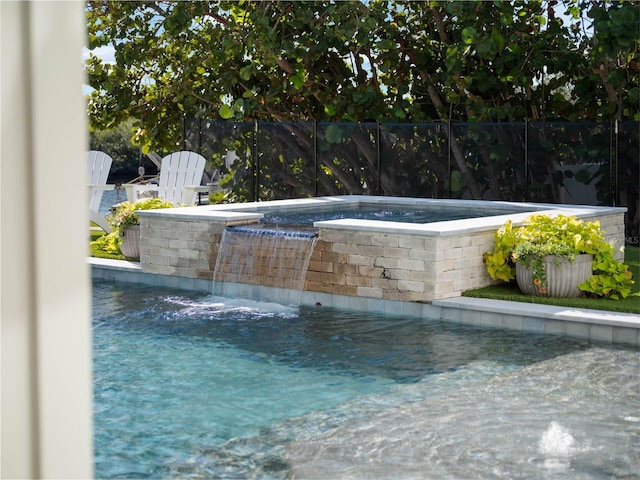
x=256, y=256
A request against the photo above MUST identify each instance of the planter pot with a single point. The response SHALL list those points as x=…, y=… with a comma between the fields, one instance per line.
x=563, y=277
x=130, y=242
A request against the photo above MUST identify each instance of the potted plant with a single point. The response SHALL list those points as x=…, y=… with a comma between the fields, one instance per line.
x=558, y=256
x=125, y=223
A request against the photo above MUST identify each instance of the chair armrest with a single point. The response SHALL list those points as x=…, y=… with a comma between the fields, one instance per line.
x=135, y=191
x=190, y=191
x=104, y=188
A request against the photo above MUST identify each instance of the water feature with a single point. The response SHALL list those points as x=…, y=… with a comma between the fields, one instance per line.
x=273, y=258
x=196, y=386
x=396, y=259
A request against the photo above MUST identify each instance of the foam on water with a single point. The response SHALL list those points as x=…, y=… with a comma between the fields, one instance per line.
x=216, y=304
x=556, y=441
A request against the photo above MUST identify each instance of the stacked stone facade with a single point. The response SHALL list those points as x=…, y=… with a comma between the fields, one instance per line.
x=414, y=266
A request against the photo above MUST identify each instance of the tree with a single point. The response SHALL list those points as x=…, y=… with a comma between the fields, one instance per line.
x=354, y=61
x=117, y=142
x=375, y=61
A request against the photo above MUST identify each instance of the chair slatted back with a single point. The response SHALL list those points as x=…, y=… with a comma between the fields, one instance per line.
x=177, y=170
x=98, y=166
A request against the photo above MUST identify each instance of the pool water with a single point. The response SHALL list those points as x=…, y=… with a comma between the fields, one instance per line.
x=110, y=198
x=193, y=386
x=387, y=213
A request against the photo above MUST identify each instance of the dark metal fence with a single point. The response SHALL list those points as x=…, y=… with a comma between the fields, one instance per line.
x=573, y=163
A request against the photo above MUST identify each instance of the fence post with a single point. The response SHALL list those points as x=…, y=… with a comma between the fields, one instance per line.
x=255, y=169
x=613, y=163
x=449, y=157
x=526, y=159
x=315, y=158
x=379, y=159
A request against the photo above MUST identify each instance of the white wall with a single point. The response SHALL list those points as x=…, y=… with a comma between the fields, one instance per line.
x=44, y=282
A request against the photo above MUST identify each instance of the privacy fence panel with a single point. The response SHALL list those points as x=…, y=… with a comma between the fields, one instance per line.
x=488, y=161
x=285, y=160
x=414, y=160
x=348, y=160
x=573, y=163
x=570, y=163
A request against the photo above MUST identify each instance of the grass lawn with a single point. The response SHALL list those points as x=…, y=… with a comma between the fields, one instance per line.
x=510, y=291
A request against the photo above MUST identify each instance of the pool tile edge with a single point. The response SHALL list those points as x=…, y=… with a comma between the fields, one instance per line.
x=595, y=325
x=600, y=326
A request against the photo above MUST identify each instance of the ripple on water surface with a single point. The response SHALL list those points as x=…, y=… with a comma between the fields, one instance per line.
x=189, y=386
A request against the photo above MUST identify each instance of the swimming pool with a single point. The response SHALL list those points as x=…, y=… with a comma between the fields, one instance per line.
x=193, y=386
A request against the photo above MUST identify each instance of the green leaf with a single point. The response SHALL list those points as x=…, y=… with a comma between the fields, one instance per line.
x=245, y=73
x=330, y=110
x=468, y=35
x=333, y=134
x=226, y=112
x=457, y=181
x=298, y=79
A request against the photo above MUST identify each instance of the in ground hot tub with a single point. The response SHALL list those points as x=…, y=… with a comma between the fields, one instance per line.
x=388, y=248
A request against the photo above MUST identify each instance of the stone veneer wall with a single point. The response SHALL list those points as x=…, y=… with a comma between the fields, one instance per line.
x=410, y=267
x=389, y=266
x=180, y=247
x=397, y=266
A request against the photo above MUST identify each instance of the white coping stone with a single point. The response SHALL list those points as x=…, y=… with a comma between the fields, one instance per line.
x=251, y=211
x=199, y=213
x=121, y=265
x=543, y=311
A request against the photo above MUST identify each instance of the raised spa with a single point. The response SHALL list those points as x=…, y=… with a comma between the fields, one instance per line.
x=361, y=258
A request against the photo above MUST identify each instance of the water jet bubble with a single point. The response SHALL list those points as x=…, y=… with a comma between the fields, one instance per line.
x=556, y=441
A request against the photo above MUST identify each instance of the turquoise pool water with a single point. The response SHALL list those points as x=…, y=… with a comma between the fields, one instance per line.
x=388, y=213
x=193, y=386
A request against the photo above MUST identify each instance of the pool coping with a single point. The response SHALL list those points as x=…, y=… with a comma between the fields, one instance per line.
x=594, y=325
x=242, y=213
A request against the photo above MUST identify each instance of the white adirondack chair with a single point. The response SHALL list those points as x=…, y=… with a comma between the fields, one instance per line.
x=180, y=177
x=98, y=166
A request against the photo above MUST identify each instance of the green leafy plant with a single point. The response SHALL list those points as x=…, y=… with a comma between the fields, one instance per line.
x=564, y=237
x=126, y=216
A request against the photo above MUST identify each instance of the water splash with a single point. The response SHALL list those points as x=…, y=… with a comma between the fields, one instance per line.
x=556, y=441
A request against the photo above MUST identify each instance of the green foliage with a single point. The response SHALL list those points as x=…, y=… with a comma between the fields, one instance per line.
x=565, y=237
x=117, y=143
x=125, y=216
x=498, y=262
x=109, y=244
x=610, y=279
x=359, y=62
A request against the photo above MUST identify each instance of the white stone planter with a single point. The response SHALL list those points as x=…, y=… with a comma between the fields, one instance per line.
x=130, y=242
x=563, y=276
